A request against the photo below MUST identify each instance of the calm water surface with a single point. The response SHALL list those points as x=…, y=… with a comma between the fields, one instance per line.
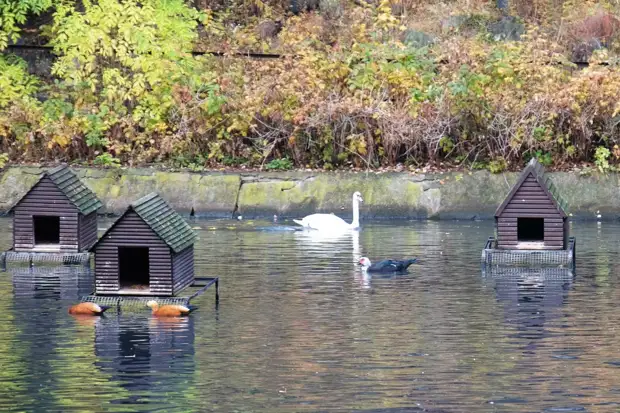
x=298, y=328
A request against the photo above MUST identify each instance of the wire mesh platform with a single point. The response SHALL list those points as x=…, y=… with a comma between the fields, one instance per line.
x=133, y=301
x=493, y=257
x=51, y=258
x=137, y=302
x=548, y=273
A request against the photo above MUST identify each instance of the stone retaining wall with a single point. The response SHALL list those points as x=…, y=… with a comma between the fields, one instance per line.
x=466, y=195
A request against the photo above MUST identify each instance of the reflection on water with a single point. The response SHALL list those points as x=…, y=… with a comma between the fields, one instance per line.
x=531, y=300
x=322, y=244
x=145, y=356
x=67, y=282
x=300, y=328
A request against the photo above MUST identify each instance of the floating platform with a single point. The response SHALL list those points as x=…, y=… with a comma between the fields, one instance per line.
x=546, y=273
x=493, y=257
x=200, y=285
x=32, y=258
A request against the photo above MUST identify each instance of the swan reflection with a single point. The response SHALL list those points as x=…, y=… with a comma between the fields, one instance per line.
x=329, y=243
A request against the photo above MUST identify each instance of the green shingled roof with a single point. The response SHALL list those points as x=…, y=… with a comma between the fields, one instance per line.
x=534, y=167
x=69, y=184
x=166, y=223
x=83, y=198
x=544, y=178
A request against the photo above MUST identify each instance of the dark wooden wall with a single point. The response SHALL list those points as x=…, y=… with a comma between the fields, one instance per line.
x=183, y=269
x=132, y=231
x=45, y=199
x=530, y=201
x=88, y=231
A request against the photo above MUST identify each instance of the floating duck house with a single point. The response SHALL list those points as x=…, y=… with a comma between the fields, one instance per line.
x=148, y=251
x=531, y=224
x=57, y=215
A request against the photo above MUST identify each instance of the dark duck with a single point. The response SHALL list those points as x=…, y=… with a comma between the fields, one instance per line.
x=386, y=266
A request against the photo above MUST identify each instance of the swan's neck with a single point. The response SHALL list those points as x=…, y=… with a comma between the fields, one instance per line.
x=356, y=214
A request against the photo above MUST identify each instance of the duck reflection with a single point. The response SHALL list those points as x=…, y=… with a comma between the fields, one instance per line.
x=85, y=320
x=531, y=298
x=65, y=282
x=146, y=356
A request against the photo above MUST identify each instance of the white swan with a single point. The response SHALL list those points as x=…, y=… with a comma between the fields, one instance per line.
x=330, y=222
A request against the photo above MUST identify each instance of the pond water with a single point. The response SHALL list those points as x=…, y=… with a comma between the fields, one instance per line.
x=298, y=328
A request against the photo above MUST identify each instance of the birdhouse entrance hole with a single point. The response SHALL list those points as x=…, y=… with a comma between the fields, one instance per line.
x=530, y=229
x=133, y=268
x=46, y=230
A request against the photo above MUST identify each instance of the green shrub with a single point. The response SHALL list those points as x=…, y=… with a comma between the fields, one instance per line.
x=283, y=164
x=127, y=57
x=601, y=159
x=106, y=159
x=353, y=88
x=15, y=82
x=498, y=165
x=13, y=13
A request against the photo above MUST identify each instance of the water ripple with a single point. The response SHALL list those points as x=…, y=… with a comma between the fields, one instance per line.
x=300, y=328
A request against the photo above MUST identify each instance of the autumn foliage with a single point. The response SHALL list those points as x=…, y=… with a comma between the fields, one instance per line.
x=356, y=84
